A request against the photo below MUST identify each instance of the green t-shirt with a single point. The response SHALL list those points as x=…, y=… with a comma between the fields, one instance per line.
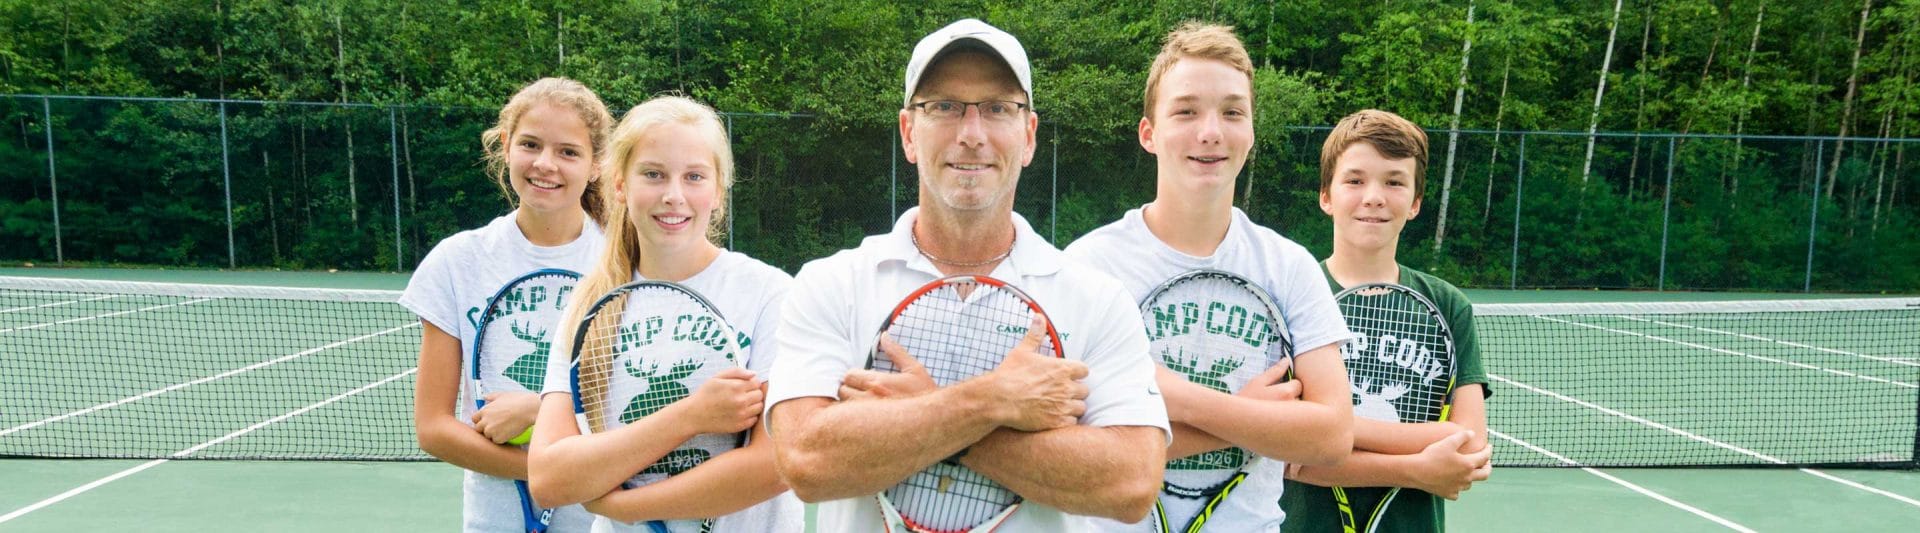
x=1312, y=508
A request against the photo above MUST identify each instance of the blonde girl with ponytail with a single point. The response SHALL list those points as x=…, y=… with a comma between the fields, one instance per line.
x=669, y=168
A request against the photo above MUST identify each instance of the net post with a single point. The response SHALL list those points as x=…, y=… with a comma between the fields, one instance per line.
x=53, y=182
x=1913, y=461
x=393, y=155
x=226, y=185
x=1813, y=215
x=1666, y=212
x=1519, y=183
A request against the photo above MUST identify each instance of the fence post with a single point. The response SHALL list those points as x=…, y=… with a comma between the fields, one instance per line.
x=730, y=213
x=226, y=180
x=393, y=154
x=1519, y=185
x=1053, y=204
x=893, y=181
x=53, y=182
x=1666, y=213
x=1813, y=216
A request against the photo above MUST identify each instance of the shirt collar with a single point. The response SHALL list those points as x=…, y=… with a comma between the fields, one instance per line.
x=1032, y=255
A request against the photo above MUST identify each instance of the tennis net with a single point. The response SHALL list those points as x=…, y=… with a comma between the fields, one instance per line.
x=1753, y=383
x=139, y=370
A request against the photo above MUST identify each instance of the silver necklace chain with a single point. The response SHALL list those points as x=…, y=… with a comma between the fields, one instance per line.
x=923, y=252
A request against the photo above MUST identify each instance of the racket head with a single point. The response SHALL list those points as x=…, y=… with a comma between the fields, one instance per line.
x=1219, y=330
x=510, y=351
x=1400, y=362
x=959, y=327
x=641, y=347
x=515, y=336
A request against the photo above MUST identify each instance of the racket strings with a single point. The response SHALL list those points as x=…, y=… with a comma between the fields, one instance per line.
x=1399, y=364
x=959, y=331
x=1215, y=330
x=651, y=346
x=596, y=359
x=516, y=333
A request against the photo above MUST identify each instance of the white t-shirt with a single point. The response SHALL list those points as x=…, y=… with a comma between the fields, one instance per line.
x=449, y=290
x=1128, y=251
x=747, y=293
x=838, y=303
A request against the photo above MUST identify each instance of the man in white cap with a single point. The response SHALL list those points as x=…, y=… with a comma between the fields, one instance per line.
x=1081, y=435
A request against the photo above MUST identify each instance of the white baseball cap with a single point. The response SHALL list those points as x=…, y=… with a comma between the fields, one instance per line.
x=975, y=34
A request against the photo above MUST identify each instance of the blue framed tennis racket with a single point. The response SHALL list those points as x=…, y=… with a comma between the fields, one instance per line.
x=511, y=348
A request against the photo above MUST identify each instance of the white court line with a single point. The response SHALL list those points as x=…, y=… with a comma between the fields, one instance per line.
x=108, y=315
x=57, y=304
x=178, y=386
x=1796, y=364
x=1894, y=360
x=189, y=451
x=1624, y=483
x=1699, y=438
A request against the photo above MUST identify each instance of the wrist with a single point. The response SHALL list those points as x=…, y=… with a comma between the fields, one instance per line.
x=682, y=420
x=976, y=398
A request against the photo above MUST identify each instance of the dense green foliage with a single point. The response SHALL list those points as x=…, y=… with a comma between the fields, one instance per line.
x=812, y=89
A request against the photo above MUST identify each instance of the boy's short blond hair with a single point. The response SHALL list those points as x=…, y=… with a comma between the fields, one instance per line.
x=1393, y=136
x=1196, y=40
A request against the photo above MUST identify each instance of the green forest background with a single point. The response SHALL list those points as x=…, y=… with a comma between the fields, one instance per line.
x=1743, y=103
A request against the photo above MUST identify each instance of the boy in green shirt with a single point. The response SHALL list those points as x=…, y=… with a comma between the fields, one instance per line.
x=1372, y=174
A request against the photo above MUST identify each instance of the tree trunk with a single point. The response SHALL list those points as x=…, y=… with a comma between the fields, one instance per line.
x=1899, y=160
x=1640, y=109
x=306, y=188
x=560, y=40
x=1846, y=115
x=273, y=221
x=406, y=155
x=1453, y=133
x=1880, y=181
x=220, y=49
x=1713, y=51
x=1599, y=94
x=1499, y=113
x=353, y=187
x=1740, y=123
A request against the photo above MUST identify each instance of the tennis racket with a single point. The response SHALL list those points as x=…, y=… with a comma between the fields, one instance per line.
x=643, y=346
x=1401, y=366
x=958, y=327
x=1219, y=330
x=511, y=348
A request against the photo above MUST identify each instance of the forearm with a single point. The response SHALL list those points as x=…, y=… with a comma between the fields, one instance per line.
x=1361, y=469
x=445, y=438
x=829, y=450
x=574, y=468
x=1189, y=441
x=439, y=430
x=1396, y=438
x=1058, y=467
x=723, y=485
x=1300, y=432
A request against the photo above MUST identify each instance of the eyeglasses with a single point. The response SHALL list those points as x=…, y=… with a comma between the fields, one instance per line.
x=997, y=111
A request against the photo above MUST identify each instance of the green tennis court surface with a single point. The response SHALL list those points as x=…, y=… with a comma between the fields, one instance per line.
x=266, y=375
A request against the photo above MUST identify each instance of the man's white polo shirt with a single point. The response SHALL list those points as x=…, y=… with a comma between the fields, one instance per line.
x=834, y=311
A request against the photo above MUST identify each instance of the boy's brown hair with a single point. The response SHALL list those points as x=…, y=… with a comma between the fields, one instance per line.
x=1199, y=41
x=1393, y=136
